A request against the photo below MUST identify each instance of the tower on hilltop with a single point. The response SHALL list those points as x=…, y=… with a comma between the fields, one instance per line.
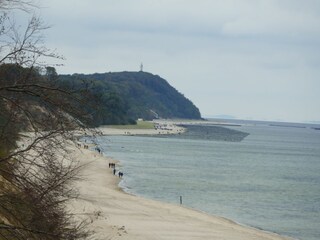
x=141, y=67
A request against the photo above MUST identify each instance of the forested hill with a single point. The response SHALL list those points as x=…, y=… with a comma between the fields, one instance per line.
x=138, y=95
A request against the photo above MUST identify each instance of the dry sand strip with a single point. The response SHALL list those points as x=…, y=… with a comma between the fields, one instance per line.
x=114, y=214
x=172, y=129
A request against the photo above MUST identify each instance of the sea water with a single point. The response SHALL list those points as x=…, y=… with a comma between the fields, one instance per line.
x=268, y=180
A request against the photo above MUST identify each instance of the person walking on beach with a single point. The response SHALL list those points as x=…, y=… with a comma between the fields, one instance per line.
x=114, y=171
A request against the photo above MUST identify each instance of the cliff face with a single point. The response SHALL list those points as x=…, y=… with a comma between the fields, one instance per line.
x=143, y=95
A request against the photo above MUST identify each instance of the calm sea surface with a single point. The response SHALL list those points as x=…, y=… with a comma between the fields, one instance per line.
x=270, y=180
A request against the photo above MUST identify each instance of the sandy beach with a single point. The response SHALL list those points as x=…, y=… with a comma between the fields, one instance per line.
x=164, y=127
x=113, y=214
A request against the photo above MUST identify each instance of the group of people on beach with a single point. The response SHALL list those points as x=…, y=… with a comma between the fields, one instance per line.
x=113, y=166
x=85, y=146
x=98, y=150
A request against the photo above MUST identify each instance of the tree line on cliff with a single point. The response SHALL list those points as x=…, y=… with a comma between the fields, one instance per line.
x=127, y=96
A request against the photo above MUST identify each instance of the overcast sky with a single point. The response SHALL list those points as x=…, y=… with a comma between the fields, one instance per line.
x=252, y=59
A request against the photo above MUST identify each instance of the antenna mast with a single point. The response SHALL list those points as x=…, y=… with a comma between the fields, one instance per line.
x=141, y=67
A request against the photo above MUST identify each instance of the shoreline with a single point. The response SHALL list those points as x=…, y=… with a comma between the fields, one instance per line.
x=228, y=220
x=113, y=213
